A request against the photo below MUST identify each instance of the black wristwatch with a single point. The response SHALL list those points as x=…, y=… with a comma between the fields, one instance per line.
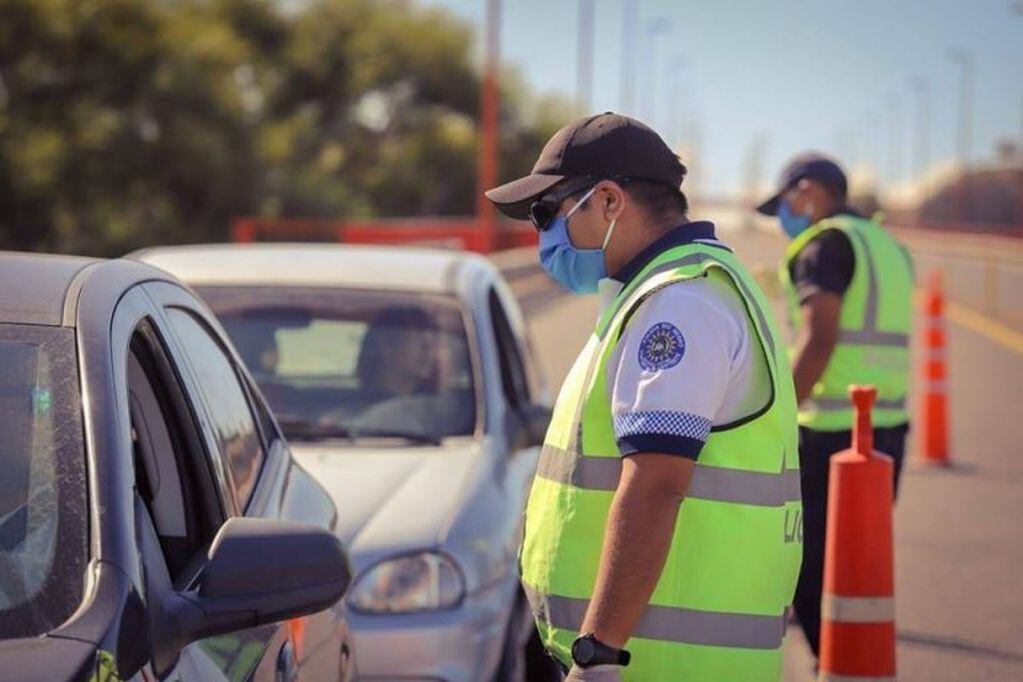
x=588, y=651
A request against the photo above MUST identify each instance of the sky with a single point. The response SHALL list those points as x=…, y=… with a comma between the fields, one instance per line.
x=736, y=76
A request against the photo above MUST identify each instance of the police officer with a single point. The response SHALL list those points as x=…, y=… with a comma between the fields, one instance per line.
x=848, y=284
x=661, y=535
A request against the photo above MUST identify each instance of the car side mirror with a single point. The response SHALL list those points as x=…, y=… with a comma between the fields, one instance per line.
x=528, y=426
x=258, y=571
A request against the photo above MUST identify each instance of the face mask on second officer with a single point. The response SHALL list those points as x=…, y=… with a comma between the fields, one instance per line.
x=811, y=188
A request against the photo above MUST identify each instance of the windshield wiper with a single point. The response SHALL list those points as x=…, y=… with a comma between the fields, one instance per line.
x=304, y=429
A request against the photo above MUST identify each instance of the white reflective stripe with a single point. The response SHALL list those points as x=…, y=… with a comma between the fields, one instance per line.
x=858, y=609
x=936, y=354
x=671, y=623
x=716, y=484
x=936, y=323
x=936, y=386
x=822, y=404
x=872, y=337
x=589, y=473
x=870, y=305
x=831, y=677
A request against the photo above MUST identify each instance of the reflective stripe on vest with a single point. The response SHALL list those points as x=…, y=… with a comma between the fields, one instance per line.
x=716, y=484
x=672, y=624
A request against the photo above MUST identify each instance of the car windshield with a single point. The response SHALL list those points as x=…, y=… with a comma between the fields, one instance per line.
x=345, y=363
x=43, y=502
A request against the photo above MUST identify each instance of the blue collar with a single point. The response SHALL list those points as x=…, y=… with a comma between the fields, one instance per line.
x=679, y=236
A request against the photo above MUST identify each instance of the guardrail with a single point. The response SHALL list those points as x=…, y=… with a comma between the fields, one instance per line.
x=982, y=271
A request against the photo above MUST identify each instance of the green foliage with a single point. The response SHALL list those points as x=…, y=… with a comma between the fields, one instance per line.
x=125, y=123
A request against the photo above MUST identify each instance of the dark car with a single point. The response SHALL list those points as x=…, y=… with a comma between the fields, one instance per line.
x=152, y=521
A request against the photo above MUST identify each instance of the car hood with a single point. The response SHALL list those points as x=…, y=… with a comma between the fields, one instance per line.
x=391, y=499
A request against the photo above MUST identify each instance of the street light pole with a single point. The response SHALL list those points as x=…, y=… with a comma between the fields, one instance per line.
x=629, y=14
x=584, y=70
x=922, y=149
x=965, y=137
x=895, y=140
x=486, y=163
x=654, y=28
x=673, y=129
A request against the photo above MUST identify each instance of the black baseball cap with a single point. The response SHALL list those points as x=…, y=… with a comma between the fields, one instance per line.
x=603, y=146
x=810, y=166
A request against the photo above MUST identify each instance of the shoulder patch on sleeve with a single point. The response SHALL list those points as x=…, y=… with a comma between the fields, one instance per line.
x=662, y=347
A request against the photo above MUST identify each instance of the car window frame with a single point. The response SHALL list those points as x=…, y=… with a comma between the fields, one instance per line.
x=219, y=342
x=171, y=370
x=510, y=353
x=166, y=295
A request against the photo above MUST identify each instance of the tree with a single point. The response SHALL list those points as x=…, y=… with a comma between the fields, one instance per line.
x=125, y=123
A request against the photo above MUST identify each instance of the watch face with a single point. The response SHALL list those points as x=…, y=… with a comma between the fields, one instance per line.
x=583, y=651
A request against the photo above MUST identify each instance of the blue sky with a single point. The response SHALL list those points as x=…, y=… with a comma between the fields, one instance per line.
x=798, y=74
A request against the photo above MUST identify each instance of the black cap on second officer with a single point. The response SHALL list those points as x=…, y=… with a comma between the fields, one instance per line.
x=603, y=146
x=810, y=166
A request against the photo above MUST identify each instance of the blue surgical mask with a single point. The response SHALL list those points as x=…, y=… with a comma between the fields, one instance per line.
x=792, y=223
x=578, y=270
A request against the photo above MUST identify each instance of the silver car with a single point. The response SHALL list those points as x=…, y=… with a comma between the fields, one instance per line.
x=404, y=380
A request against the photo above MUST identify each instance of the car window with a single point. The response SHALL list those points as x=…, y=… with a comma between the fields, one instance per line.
x=228, y=405
x=171, y=474
x=43, y=495
x=513, y=374
x=354, y=363
x=180, y=509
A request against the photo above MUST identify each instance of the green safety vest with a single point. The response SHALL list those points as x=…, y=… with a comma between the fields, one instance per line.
x=874, y=326
x=718, y=611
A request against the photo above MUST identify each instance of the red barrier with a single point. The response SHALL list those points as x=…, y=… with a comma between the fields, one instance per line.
x=461, y=233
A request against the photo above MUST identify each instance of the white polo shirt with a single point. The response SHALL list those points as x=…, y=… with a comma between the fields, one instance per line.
x=688, y=360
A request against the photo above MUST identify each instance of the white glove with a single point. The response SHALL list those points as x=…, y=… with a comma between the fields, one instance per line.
x=597, y=673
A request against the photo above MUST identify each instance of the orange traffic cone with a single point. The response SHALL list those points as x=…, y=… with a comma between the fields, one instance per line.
x=858, y=608
x=934, y=402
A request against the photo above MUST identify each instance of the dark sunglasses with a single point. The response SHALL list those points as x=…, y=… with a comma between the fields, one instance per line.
x=544, y=210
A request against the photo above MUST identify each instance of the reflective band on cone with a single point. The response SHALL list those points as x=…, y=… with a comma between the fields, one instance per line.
x=858, y=609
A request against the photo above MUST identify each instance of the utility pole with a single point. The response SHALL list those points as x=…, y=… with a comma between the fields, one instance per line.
x=486, y=163
x=895, y=139
x=673, y=129
x=655, y=27
x=922, y=144
x=629, y=16
x=584, y=69
x=965, y=136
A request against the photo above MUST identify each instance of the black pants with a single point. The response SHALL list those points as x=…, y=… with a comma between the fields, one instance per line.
x=815, y=450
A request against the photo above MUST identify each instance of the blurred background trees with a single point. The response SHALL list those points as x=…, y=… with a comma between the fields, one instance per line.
x=131, y=122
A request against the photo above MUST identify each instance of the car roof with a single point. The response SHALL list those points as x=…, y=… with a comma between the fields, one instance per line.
x=312, y=264
x=33, y=286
